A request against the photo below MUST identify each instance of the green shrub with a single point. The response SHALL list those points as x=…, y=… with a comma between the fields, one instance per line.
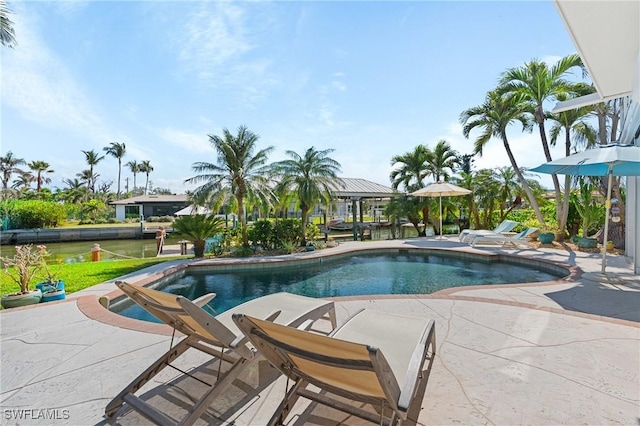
x=32, y=214
x=286, y=231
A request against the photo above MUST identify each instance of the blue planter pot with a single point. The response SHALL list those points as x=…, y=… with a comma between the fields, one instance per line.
x=16, y=300
x=587, y=243
x=546, y=238
x=54, y=295
x=47, y=286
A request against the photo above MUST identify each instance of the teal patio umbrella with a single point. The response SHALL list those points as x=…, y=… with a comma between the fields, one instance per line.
x=609, y=160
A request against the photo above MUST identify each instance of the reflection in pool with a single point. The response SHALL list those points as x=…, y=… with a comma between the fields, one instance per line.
x=411, y=273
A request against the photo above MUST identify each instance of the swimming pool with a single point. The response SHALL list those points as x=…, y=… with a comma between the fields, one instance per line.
x=358, y=274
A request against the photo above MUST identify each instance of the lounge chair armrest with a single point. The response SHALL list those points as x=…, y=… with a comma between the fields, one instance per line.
x=335, y=330
x=204, y=299
x=413, y=375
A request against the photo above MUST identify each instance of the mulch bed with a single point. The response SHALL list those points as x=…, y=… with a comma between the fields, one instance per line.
x=569, y=246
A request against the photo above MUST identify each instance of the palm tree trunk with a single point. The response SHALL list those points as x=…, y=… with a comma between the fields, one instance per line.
x=547, y=154
x=304, y=225
x=242, y=219
x=564, y=211
x=523, y=181
x=119, y=175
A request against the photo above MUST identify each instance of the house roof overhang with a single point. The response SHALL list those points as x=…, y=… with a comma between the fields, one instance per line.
x=606, y=34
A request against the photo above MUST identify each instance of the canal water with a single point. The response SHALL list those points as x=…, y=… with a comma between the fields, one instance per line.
x=110, y=249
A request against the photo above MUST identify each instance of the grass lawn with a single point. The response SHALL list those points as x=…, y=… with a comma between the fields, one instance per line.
x=78, y=276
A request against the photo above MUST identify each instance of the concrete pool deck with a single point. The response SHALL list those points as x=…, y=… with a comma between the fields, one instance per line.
x=562, y=352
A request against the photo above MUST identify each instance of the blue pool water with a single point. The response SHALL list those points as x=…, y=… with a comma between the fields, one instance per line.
x=357, y=275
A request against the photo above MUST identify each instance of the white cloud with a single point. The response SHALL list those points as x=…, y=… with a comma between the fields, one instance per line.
x=188, y=141
x=339, y=85
x=218, y=44
x=39, y=86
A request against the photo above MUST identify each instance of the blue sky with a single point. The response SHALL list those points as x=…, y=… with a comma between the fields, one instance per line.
x=368, y=79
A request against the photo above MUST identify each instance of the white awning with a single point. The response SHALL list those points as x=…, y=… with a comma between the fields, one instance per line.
x=582, y=101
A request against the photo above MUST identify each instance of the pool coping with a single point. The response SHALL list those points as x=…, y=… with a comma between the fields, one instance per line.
x=94, y=307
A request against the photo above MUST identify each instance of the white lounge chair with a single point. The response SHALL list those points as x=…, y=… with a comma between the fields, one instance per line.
x=217, y=336
x=374, y=358
x=505, y=226
x=517, y=241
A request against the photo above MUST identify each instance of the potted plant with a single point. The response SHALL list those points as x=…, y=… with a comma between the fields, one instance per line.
x=53, y=287
x=588, y=210
x=22, y=268
x=547, y=233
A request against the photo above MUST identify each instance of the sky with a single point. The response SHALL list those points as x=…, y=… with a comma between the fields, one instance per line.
x=369, y=80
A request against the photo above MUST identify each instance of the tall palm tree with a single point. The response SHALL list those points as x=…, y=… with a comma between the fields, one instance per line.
x=146, y=168
x=117, y=150
x=575, y=126
x=239, y=172
x=312, y=177
x=135, y=169
x=40, y=168
x=92, y=159
x=537, y=83
x=7, y=33
x=443, y=157
x=8, y=166
x=493, y=117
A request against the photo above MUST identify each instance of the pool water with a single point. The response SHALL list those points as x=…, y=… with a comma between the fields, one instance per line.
x=356, y=275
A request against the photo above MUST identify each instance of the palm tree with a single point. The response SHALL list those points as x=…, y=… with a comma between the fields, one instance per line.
x=8, y=166
x=117, y=150
x=198, y=228
x=23, y=181
x=7, y=33
x=443, y=157
x=92, y=159
x=40, y=168
x=537, y=83
x=573, y=125
x=135, y=169
x=412, y=168
x=511, y=191
x=312, y=178
x=238, y=172
x=87, y=178
x=493, y=117
x=75, y=191
x=146, y=168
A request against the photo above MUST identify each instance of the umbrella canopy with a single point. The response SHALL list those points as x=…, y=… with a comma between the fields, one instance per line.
x=193, y=210
x=441, y=189
x=612, y=160
x=616, y=160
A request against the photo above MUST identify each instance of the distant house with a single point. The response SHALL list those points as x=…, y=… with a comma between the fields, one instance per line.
x=144, y=206
x=349, y=199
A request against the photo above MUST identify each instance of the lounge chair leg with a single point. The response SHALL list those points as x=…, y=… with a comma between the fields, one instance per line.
x=287, y=403
x=166, y=359
x=219, y=386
